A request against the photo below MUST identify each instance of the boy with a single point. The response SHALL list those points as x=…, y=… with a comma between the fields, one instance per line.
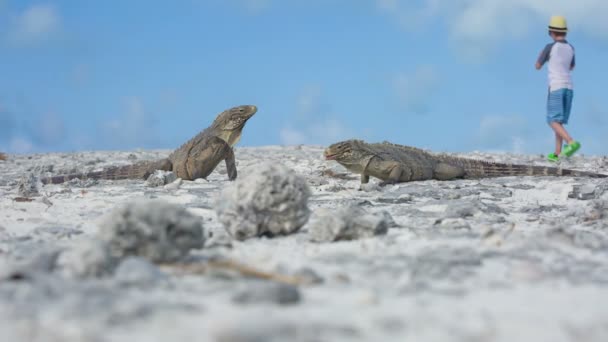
x=560, y=56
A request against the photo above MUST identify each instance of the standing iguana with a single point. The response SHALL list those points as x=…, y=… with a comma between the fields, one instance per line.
x=195, y=159
x=396, y=163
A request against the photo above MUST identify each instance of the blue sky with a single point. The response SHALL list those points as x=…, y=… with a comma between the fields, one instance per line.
x=449, y=75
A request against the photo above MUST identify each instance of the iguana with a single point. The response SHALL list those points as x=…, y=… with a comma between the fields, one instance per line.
x=197, y=158
x=394, y=163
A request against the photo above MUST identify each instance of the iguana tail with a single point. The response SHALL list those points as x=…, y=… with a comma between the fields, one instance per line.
x=484, y=169
x=139, y=170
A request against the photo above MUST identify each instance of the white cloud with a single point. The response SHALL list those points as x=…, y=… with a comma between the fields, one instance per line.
x=25, y=128
x=47, y=129
x=320, y=132
x=415, y=90
x=37, y=23
x=505, y=133
x=314, y=119
x=134, y=128
x=252, y=7
x=8, y=124
x=478, y=26
x=20, y=145
x=291, y=136
x=310, y=101
x=256, y=6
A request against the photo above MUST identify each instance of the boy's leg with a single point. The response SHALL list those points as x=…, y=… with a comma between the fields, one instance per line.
x=561, y=131
x=559, y=141
x=559, y=104
x=572, y=145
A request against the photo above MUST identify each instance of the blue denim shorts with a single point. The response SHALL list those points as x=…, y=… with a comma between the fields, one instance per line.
x=559, y=104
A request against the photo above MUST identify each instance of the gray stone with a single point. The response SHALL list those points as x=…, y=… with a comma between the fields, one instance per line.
x=596, y=211
x=578, y=238
x=349, y=223
x=586, y=192
x=29, y=186
x=154, y=229
x=43, y=262
x=497, y=192
x=453, y=224
x=268, y=292
x=309, y=276
x=461, y=209
x=390, y=221
x=176, y=184
x=258, y=328
x=370, y=187
x=268, y=199
x=160, y=178
x=138, y=272
x=57, y=232
x=87, y=258
x=395, y=198
x=82, y=183
x=218, y=238
x=317, y=181
x=432, y=266
x=521, y=186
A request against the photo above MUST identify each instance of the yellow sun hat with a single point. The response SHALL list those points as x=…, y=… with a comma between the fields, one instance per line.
x=558, y=24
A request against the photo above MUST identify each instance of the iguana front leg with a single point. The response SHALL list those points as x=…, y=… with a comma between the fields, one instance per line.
x=398, y=173
x=231, y=165
x=205, y=156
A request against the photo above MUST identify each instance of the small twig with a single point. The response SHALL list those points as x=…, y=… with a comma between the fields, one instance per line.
x=248, y=271
x=23, y=199
x=332, y=174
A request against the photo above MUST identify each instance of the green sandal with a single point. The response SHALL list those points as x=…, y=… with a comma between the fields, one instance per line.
x=570, y=149
x=552, y=157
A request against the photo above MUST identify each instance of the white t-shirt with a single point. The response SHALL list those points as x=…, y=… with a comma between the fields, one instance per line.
x=560, y=55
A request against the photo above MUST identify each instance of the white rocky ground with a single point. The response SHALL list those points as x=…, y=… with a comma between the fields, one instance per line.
x=509, y=259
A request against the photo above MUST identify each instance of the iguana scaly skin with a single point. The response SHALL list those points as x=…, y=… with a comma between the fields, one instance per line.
x=396, y=163
x=197, y=158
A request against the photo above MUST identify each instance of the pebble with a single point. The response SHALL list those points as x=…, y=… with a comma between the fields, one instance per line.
x=29, y=186
x=40, y=263
x=160, y=178
x=268, y=292
x=138, y=272
x=87, y=258
x=350, y=223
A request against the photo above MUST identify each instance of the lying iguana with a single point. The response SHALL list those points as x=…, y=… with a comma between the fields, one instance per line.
x=195, y=159
x=396, y=163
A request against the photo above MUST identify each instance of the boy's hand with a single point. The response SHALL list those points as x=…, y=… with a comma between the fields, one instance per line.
x=538, y=66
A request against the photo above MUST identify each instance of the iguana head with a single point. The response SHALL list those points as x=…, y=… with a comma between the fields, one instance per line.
x=344, y=152
x=229, y=124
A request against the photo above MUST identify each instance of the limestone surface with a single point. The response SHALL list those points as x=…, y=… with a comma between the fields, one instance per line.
x=493, y=260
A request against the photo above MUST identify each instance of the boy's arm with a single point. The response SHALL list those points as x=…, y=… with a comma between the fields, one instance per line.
x=573, y=63
x=544, y=56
